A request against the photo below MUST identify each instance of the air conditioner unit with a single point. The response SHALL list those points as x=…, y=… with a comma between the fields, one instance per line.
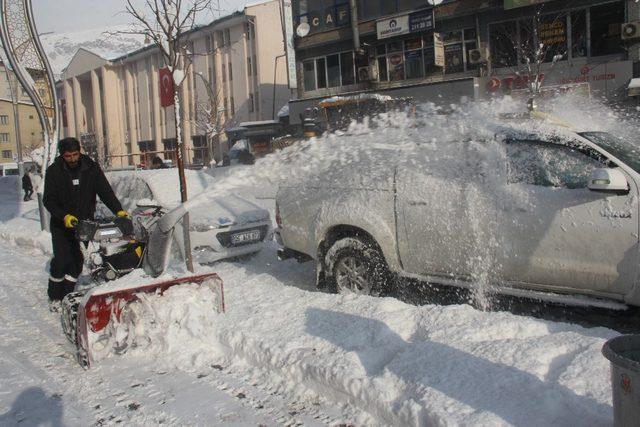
x=630, y=31
x=368, y=73
x=478, y=56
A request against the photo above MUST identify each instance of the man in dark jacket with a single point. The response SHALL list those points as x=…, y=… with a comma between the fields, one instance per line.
x=27, y=186
x=71, y=185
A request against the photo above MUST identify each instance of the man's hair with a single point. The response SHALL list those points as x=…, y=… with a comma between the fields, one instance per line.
x=66, y=145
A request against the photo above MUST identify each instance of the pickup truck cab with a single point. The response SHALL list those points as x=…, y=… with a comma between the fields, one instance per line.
x=553, y=214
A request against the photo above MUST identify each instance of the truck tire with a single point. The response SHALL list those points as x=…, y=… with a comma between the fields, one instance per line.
x=353, y=265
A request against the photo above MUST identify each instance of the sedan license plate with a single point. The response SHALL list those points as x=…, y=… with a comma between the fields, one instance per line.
x=246, y=237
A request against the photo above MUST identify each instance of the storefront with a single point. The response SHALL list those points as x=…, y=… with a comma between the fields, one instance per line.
x=480, y=47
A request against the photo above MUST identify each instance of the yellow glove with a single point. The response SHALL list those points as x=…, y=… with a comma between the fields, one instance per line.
x=70, y=221
x=122, y=214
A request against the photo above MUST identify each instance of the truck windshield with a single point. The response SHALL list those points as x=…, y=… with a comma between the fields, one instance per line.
x=625, y=151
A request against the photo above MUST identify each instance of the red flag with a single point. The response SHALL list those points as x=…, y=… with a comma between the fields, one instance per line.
x=166, y=87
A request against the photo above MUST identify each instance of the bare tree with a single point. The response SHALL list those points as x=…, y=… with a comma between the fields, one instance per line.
x=209, y=116
x=164, y=23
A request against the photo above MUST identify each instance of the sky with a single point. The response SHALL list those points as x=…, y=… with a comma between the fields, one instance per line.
x=63, y=16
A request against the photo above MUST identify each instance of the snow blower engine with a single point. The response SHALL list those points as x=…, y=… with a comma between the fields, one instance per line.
x=97, y=317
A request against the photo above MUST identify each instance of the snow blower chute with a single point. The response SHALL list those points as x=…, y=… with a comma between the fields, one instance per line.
x=102, y=319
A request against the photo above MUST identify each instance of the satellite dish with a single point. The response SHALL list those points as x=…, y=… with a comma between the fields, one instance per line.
x=303, y=29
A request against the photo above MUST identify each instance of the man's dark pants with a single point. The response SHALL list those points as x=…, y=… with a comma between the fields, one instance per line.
x=66, y=264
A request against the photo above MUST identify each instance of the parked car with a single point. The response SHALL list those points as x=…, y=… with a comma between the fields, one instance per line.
x=556, y=213
x=225, y=227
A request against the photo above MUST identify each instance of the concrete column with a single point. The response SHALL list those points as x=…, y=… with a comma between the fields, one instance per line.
x=113, y=106
x=97, y=112
x=155, y=107
x=71, y=111
x=186, y=123
x=77, y=107
x=133, y=135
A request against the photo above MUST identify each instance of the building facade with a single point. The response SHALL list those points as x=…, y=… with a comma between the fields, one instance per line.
x=113, y=106
x=462, y=48
x=28, y=123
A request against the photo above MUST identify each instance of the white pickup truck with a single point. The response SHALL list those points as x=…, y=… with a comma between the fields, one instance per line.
x=550, y=215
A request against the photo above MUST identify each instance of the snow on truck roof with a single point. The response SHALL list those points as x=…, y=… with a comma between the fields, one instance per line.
x=340, y=100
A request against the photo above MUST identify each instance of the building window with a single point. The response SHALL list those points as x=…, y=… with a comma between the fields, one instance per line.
x=309, y=73
x=219, y=39
x=579, y=33
x=504, y=38
x=224, y=73
x=251, y=103
x=233, y=106
x=4, y=137
x=249, y=67
x=347, y=70
x=6, y=154
x=4, y=120
x=226, y=109
x=255, y=66
x=605, y=22
x=333, y=70
x=227, y=37
x=230, y=72
x=249, y=31
x=257, y=101
x=31, y=116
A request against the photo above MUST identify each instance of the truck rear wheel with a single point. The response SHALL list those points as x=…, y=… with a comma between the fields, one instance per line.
x=353, y=265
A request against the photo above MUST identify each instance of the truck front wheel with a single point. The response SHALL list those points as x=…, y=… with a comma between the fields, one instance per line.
x=353, y=265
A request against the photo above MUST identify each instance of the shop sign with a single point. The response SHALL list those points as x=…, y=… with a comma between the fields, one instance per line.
x=395, y=59
x=438, y=50
x=552, y=33
x=291, y=53
x=513, y=4
x=392, y=27
x=421, y=21
x=510, y=83
x=327, y=19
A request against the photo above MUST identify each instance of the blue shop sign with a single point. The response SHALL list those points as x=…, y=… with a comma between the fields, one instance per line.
x=421, y=21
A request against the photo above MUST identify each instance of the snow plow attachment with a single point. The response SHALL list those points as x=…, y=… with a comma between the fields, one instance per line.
x=110, y=318
x=106, y=319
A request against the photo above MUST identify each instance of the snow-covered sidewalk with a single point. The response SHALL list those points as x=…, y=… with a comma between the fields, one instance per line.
x=285, y=353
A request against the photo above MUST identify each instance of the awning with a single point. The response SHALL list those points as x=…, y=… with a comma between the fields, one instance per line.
x=634, y=87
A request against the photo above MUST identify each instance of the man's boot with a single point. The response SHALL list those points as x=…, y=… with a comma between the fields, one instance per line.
x=55, y=291
x=69, y=286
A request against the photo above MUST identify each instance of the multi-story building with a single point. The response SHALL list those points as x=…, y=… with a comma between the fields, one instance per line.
x=27, y=123
x=462, y=48
x=113, y=106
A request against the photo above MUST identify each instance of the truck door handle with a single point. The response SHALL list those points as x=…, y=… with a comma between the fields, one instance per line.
x=417, y=203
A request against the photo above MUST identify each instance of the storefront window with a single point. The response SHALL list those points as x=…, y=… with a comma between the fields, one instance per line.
x=429, y=57
x=309, y=75
x=468, y=46
x=346, y=68
x=414, y=67
x=396, y=66
x=552, y=35
x=453, y=58
x=382, y=69
x=333, y=70
x=605, y=24
x=579, y=33
x=503, y=39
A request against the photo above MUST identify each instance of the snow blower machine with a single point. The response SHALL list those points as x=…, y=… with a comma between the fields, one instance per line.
x=100, y=317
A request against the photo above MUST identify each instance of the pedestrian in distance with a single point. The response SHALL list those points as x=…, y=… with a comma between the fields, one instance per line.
x=27, y=185
x=72, y=183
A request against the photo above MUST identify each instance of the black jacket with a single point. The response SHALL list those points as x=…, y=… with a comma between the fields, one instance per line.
x=26, y=182
x=59, y=195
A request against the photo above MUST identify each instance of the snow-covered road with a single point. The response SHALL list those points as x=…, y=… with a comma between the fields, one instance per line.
x=287, y=354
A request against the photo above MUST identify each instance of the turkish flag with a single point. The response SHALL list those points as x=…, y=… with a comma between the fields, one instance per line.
x=166, y=87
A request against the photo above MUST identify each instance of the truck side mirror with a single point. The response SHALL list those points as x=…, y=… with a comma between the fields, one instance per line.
x=608, y=179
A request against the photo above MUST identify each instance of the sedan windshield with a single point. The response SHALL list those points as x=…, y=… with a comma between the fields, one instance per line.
x=625, y=151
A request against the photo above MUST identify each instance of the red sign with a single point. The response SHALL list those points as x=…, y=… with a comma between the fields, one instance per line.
x=510, y=83
x=166, y=87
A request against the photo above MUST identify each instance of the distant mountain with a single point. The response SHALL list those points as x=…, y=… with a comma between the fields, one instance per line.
x=106, y=42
